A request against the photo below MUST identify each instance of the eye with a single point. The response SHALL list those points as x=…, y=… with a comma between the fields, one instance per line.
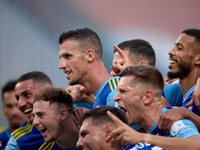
x=83, y=134
x=9, y=106
x=122, y=91
x=67, y=56
x=27, y=95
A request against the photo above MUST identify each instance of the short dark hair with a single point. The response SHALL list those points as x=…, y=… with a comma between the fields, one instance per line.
x=99, y=115
x=36, y=76
x=195, y=33
x=141, y=49
x=145, y=74
x=87, y=39
x=56, y=95
x=8, y=86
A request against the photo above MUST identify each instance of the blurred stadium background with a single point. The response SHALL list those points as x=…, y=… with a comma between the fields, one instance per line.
x=29, y=30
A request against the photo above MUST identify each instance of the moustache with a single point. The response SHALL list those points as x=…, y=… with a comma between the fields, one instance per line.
x=172, y=58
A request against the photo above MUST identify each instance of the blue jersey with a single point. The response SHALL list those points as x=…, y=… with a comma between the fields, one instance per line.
x=143, y=146
x=27, y=137
x=106, y=92
x=4, y=137
x=173, y=94
x=182, y=128
x=53, y=146
x=83, y=104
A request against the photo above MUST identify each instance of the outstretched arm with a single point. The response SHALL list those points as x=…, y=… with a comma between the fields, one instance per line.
x=126, y=135
x=166, y=119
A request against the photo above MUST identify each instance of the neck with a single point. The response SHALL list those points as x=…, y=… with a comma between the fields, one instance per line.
x=68, y=136
x=12, y=129
x=97, y=76
x=150, y=116
x=189, y=81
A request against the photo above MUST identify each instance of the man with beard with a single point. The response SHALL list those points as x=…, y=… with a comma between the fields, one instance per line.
x=10, y=109
x=27, y=136
x=184, y=61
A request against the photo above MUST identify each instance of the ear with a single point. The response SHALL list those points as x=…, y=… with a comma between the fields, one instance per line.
x=143, y=63
x=63, y=114
x=108, y=130
x=148, y=97
x=197, y=61
x=90, y=55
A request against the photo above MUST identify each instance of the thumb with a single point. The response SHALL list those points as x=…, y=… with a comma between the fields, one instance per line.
x=191, y=102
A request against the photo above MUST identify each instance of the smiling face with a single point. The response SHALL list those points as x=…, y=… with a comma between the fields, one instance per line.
x=46, y=120
x=10, y=108
x=91, y=137
x=24, y=92
x=181, y=57
x=129, y=98
x=73, y=62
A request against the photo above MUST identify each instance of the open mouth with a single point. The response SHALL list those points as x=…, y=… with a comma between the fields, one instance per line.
x=172, y=62
x=123, y=109
x=42, y=130
x=28, y=111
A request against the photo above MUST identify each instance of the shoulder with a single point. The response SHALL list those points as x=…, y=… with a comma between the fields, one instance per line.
x=23, y=130
x=48, y=146
x=143, y=146
x=183, y=128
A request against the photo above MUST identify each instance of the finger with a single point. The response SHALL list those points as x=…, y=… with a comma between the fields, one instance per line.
x=191, y=102
x=77, y=123
x=115, y=119
x=121, y=53
x=160, y=122
x=68, y=90
x=196, y=101
x=117, y=132
x=169, y=125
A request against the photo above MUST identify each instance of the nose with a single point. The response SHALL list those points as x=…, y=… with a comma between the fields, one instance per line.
x=117, y=97
x=35, y=121
x=79, y=143
x=16, y=110
x=61, y=64
x=171, y=52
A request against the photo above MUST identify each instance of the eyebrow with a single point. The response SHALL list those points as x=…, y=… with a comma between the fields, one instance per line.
x=178, y=44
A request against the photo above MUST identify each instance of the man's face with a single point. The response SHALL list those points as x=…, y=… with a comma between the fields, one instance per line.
x=181, y=57
x=24, y=92
x=46, y=119
x=14, y=116
x=128, y=98
x=73, y=62
x=90, y=137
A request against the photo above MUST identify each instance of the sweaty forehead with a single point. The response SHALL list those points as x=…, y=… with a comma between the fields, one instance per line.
x=26, y=85
x=185, y=39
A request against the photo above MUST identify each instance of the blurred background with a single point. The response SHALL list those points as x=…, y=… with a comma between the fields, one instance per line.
x=30, y=29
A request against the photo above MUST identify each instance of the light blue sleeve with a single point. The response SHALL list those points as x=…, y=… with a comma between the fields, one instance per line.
x=173, y=94
x=184, y=129
x=12, y=144
x=83, y=104
x=110, y=98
